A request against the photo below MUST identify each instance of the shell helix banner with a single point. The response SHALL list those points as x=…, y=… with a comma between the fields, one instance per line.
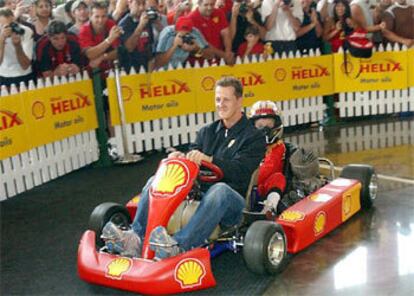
x=383, y=71
x=155, y=95
x=13, y=126
x=45, y=115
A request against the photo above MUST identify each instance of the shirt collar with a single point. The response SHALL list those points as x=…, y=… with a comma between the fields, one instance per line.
x=240, y=125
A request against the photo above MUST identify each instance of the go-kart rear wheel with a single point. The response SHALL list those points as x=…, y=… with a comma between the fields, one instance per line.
x=369, y=181
x=104, y=213
x=265, y=248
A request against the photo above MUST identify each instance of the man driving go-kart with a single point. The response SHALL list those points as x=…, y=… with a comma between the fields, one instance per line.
x=232, y=144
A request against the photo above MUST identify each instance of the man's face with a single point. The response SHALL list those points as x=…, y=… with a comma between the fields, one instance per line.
x=58, y=41
x=136, y=7
x=81, y=14
x=98, y=18
x=228, y=106
x=206, y=7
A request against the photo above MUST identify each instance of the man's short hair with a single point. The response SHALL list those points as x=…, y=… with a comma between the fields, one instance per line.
x=228, y=81
x=98, y=5
x=6, y=12
x=56, y=27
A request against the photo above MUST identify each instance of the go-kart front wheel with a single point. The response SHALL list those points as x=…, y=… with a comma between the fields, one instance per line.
x=104, y=213
x=369, y=182
x=265, y=248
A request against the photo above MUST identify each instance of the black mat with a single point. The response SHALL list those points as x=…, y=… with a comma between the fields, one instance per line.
x=40, y=232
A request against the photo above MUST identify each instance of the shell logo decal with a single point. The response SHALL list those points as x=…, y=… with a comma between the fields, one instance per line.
x=319, y=224
x=170, y=178
x=292, y=216
x=118, y=267
x=189, y=273
x=346, y=205
x=135, y=199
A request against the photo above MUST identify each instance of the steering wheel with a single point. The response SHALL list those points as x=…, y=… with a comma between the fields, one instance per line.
x=212, y=174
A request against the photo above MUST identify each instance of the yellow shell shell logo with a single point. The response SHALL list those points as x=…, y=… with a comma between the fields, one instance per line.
x=169, y=178
x=292, y=216
x=118, y=267
x=320, y=222
x=189, y=273
x=38, y=110
x=135, y=199
x=346, y=204
x=208, y=83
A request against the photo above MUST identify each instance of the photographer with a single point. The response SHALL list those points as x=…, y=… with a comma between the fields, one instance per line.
x=138, y=37
x=282, y=21
x=179, y=42
x=244, y=14
x=310, y=32
x=16, y=49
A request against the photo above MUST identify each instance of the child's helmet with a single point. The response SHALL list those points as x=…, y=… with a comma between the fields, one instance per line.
x=268, y=109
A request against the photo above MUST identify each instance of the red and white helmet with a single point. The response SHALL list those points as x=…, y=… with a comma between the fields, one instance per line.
x=268, y=109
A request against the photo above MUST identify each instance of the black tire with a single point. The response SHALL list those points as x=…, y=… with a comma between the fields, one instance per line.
x=366, y=175
x=104, y=213
x=260, y=258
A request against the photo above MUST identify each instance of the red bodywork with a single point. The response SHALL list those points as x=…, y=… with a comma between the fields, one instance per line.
x=186, y=272
x=319, y=213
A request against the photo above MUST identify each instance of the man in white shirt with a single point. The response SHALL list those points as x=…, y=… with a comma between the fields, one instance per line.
x=282, y=20
x=16, y=50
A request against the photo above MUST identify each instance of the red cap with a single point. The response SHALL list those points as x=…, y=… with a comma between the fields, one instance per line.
x=184, y=24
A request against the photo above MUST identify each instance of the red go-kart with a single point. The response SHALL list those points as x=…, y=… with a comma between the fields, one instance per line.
x=267, y=245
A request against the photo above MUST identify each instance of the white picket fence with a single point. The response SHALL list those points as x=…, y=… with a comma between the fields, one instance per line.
x=44, y=163
x=354, y=104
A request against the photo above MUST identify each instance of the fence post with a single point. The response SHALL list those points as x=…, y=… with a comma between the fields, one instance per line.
x=101, y=132
x=329, y=100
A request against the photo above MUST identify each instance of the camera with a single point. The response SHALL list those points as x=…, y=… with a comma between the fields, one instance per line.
x=16, y=28
x=152, y=13
x=287, y=2
x=243, y=8
x=188, y=38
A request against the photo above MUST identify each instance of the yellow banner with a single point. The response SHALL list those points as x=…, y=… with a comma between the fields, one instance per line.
x=13, y=127
x=300, y=77
x=55, y=116
x=252, y=78
x=385, y=70
x=152, y=96
x=411, y=67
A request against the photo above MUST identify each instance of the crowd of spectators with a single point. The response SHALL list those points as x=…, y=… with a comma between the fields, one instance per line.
x=39, y=38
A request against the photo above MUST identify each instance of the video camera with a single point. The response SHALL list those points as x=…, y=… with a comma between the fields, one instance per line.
x=16, y=28
x=152, y=14
x=188, y=38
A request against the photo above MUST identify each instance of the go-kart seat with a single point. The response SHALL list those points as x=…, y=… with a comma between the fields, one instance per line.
x=187, y=208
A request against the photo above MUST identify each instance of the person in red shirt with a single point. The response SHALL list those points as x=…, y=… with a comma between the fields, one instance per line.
x=252, y=45
x=271, y=182
x=58, y=52
x=212, y=23
x=99, y=38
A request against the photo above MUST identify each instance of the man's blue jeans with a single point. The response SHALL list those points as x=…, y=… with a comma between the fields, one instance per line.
x=219, y=205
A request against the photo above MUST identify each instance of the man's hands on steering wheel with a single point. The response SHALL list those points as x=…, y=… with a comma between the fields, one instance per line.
x=211, y=172
x=194, y=155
